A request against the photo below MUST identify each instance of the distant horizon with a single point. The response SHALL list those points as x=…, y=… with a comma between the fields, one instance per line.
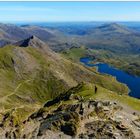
x=26, y=22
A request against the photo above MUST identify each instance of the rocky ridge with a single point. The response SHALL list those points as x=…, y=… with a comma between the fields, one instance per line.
x=75, y=117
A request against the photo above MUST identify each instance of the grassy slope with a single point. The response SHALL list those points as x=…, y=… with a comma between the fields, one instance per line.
x=74, y=53
x=87, y=91
x=103, y=94
x=29, y=78
x=30, y=87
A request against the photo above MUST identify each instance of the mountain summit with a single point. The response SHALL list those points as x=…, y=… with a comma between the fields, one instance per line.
x=114, y=27
x=35, y=42
x=31, y=41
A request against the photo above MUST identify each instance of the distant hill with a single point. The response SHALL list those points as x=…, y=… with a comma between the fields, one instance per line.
x=111, y=28
x=113, y=37
x=43, y=33
x=12, y=33
x=107, y=36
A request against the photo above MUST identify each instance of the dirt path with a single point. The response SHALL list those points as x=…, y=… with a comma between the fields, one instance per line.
x=19, y=85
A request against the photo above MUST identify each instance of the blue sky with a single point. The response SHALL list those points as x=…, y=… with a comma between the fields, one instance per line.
x=69, y=11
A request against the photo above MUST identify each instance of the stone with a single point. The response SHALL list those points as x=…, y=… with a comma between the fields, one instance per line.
x=91, y=136
x=106, y=103
x=121, y=127
x=44, y=115
x=39, y=118
x=83, y=136
x=119, y=117
x=99, y=105
x=136, y=123
x=105, y=108
x=74, y=97
x=116, y=135
x=69, y=129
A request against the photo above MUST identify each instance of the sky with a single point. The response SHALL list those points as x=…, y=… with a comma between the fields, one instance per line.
x=69, y=11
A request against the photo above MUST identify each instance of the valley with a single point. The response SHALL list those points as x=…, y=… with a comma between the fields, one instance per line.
x=46, y=92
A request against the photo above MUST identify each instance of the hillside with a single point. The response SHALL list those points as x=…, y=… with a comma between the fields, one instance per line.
x=12, y=32
x=22, y=66
x=32, y=74
x=111, y=27
x=112, y=36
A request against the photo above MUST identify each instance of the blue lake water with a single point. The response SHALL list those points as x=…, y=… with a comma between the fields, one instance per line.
x=131, y=81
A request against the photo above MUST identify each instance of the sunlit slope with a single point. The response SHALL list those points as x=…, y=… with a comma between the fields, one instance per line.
x=32, y=75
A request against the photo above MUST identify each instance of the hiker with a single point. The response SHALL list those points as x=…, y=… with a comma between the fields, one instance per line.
x=95, y=89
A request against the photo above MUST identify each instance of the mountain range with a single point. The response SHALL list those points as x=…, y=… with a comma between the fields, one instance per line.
x=43, y=94
x=108, y=36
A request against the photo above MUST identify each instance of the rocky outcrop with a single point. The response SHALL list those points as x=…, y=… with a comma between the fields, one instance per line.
x=73, y=118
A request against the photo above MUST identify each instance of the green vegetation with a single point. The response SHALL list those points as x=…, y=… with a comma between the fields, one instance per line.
x=30, y=78
x=127, y=62
x=124, y=61
x=36, y=80
x=75, y=53
x=24, y=83
x=6, y=58
x=104, y=94
x=87, y=91
x=37, y=56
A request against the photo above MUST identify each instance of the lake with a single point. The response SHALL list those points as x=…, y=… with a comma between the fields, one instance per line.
x=131, y=81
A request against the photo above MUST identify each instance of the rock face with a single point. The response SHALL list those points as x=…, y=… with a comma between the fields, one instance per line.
x=73, y=118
